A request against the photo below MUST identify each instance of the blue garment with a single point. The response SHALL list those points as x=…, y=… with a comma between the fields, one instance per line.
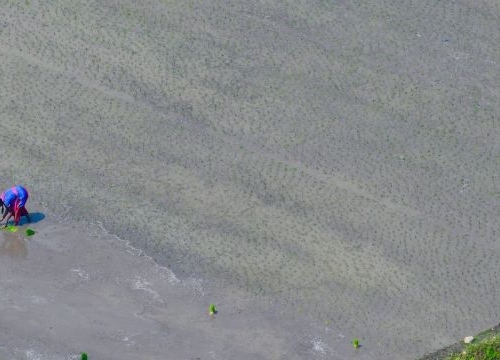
x=17, y=192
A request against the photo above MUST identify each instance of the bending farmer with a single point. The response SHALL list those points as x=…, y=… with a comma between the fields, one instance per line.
x=14, y=201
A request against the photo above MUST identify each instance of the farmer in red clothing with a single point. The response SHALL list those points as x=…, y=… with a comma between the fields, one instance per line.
x=14, y=201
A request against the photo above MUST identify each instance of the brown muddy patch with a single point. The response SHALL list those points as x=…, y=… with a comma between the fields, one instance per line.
x=13, y=245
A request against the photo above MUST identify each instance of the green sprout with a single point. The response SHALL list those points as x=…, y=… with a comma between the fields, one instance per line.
x=212, y=309
x=355, y=343
x=30, y=232
x=84, y=356
x=11, y=228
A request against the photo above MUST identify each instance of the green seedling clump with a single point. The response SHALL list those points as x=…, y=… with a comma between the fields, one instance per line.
x=355, y=343
x=212, y=309
x=84, y=356
x=30, y=232
x=11, y=228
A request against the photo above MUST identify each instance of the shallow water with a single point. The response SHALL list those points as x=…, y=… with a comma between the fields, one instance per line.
x=79, y=288
x=13, y=245
x=338, y=158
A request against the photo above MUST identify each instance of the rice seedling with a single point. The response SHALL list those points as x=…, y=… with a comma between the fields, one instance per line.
x=212, y=309
x=11, y=228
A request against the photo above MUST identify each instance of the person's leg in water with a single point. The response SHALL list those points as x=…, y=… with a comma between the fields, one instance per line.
x=19, y=205
x=20, y=211
x=17, y=212
x=23, y=199
x=24, y=212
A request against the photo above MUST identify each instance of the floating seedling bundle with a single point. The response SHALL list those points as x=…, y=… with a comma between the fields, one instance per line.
x=212, y=309
x=10, y=228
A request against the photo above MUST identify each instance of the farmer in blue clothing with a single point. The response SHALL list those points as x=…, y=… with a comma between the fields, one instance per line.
x=14, y=201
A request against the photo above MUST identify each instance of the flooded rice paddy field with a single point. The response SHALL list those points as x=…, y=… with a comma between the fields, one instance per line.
x=341, y=157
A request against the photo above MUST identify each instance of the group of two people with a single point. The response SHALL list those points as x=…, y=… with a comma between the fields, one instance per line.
x=13, y=203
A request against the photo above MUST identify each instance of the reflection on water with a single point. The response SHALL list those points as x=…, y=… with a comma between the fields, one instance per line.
x=13, y=245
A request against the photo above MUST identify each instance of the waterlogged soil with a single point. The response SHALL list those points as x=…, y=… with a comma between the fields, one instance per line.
x=72, y=288
x=340, y=158
x=13, y=246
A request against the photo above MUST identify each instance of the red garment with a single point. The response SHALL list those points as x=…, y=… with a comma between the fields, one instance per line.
x=18, y=212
